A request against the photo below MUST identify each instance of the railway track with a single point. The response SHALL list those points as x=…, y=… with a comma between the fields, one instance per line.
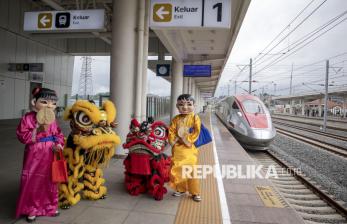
x=313, y=204
x=311, y=118
x=308, y=123
x=338, y=150
x=330, y=135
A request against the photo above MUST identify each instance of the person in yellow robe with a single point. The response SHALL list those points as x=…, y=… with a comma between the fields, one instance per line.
x=184, y=130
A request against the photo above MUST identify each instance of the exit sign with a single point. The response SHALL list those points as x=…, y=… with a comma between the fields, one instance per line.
x=188, y=13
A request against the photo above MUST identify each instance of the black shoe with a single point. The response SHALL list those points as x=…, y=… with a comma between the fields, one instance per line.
x=57, y=213
x=103, y=197
x=65, y=206
x=31, y=218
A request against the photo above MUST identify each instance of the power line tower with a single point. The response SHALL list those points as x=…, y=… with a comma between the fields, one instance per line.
x=86, y=78
x=250, y=77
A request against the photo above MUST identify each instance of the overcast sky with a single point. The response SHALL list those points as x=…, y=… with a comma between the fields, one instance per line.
x=101, y=77
x=264, y=20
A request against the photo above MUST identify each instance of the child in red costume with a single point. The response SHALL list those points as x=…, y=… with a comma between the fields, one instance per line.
x=146, y=166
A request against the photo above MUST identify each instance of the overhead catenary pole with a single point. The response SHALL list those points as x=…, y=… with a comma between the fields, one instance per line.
x=291, y=81
x=291, y=90
x=235, y=87
x=326, y=96
x=250, y=76
x=229, y=88
x=275, y=85
x=344, y=108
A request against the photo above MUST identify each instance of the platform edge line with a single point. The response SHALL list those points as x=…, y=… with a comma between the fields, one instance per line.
x=222, y=198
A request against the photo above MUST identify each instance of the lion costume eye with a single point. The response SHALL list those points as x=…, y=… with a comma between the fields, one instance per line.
x=160, y=132
x=82, y=118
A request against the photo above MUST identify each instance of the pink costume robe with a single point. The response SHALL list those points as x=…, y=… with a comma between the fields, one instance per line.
x=38, y=194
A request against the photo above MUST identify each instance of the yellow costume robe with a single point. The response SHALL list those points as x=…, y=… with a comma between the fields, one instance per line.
x=184, y=153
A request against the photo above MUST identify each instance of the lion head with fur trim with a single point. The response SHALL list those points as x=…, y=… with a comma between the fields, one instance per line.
x=91, y=129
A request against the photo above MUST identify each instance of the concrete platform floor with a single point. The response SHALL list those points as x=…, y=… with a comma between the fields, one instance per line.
x=118, y=207
x=242, y=202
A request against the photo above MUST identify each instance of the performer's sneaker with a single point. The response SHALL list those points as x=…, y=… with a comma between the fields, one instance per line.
x=57, y=213
x=178, y=194
x=103, y=197
x=197, y=198
x=30, y=218
x=65, y=206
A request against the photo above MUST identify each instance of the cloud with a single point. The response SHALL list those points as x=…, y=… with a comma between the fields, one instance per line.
x=157, y=85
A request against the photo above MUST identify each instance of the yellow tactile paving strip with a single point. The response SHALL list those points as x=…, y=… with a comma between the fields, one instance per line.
x=208, y=210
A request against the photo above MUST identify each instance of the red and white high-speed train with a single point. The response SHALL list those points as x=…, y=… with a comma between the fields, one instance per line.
x=248, y=119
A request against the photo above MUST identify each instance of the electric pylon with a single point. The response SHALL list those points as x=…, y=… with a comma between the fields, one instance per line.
x=86, y=78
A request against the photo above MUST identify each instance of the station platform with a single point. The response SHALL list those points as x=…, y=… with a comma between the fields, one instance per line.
x=233, y=200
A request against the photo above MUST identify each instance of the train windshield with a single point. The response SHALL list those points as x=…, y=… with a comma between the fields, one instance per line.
x=252, y=106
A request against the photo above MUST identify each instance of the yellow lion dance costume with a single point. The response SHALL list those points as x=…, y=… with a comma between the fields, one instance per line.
x=88, y=148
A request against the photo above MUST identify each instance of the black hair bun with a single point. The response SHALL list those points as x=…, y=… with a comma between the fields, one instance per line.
x=35, y=91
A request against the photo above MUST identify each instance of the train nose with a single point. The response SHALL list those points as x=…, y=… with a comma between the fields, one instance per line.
x=262, y=134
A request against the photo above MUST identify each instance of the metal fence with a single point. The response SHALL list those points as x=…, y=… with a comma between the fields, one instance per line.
x=157, y=106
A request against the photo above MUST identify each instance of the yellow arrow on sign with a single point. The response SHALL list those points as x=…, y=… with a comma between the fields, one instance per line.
x=162, y=12
x=44, y=20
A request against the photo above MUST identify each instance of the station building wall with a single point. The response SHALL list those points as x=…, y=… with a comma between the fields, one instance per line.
x=19, y=47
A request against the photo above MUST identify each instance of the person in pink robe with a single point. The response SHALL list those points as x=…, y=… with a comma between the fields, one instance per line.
x=38, y=194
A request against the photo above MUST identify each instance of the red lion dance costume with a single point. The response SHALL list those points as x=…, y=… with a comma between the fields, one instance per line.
x=146, y=166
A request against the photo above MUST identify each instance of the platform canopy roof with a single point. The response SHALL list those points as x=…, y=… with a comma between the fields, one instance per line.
x=320, y=102
x=210, y=46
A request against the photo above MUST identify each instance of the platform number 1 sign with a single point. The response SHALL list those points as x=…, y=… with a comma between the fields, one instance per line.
x=217, y=13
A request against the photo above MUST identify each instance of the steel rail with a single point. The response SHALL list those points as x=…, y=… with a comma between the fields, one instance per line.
x=334, y=120
x=328, y=199
x=330, y=135
x=308, y=123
